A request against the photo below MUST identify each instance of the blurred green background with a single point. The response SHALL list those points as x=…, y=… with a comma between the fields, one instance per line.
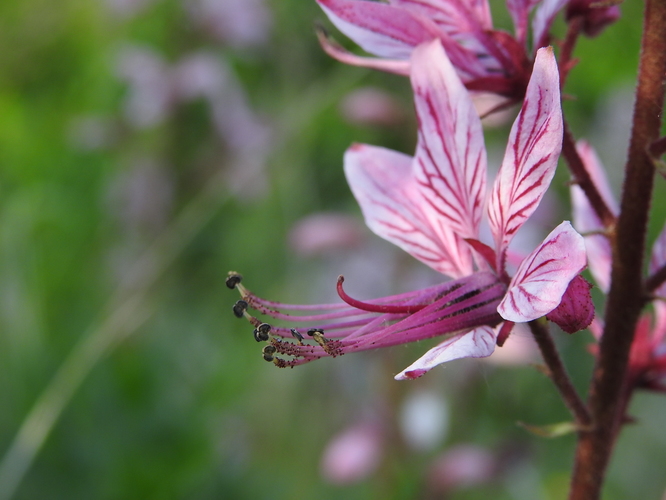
x=147, y=147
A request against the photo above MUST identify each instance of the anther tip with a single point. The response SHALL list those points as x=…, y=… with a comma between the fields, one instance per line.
x=341, y=279
x=239, y=308
x=233, y=279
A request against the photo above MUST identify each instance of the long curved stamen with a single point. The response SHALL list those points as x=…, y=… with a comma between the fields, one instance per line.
x=378, y=308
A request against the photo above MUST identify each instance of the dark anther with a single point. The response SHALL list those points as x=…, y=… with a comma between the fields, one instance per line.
x=297, y=335
x=239, y=308
x=261, y=332
x=313, y=331
x=233, y=279
x=268, y=352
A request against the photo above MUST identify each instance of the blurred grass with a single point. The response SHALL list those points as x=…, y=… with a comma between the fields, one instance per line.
x=186, y=408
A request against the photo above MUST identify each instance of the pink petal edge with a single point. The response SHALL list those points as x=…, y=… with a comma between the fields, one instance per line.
x=477, y=343
x=543, y=277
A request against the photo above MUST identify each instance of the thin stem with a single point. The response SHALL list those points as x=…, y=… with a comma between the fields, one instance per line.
x=583, y=179
x=566, y=62
x=625, y=298
x=656, y=279
x=658, y=147
x=558, y=374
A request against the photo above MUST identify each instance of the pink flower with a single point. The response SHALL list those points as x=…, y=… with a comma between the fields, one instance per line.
x=432, y=206
x=647, y=359
x=485, y=58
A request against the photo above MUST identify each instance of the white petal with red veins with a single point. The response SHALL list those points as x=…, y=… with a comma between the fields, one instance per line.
x=543, y=277
x=531, y=155
x=378, y=28
x=392, y=205
x=450, y=160
x=478, y=343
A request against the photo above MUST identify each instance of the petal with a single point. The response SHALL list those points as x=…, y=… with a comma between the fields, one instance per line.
x=520, y=11
x=543, y=19
x=450, y=160
x=393, y=207
x=531, y=155
x=467, y=23
x=543, y=277
x=454, y=15
x=586, y=219
x=395, y=66
x=478, y=343
x=378, y=28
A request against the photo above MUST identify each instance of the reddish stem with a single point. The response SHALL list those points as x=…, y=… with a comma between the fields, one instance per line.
x=558, y=374
x=608, y=392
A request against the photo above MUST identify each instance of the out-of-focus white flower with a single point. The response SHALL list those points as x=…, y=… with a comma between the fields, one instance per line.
x=352, y=455
x=424, y=419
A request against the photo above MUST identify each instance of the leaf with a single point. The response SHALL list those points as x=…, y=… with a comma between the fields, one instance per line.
x=552, y=430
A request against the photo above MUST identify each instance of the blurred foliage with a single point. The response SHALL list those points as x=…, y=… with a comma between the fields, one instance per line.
x=179, y=403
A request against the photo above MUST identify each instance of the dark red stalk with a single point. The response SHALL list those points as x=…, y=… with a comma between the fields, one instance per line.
x=608, y=399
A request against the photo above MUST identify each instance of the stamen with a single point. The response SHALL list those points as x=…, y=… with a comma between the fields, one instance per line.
x=233, y=279
x=365, y=306
x=239, y=308
x=268, y=352
x=261, y=332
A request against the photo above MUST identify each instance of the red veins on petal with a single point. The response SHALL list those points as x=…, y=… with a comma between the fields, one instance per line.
x=393, y=207
x=543, y=277
x=450, y=160
x=531, y=155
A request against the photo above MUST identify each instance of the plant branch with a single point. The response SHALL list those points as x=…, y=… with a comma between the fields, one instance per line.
x=625, y=298
x=558, y=374
x=656, y=279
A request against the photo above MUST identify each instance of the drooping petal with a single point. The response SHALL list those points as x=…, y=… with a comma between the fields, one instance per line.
x=395, y=66
x=543, y=277
x=478, y=343
x=393, y=207
x=379, y=28
x=450, y=160
x=543, y=19
x=531, y=155
x=393, y=32
x=586, y=220
x=576, y=310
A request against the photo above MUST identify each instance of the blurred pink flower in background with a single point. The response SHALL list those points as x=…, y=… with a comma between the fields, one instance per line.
x=371, y=106
x=239, y=23
x=459, y=467
x=424, y=419
x=325, y=232
x=353, y=454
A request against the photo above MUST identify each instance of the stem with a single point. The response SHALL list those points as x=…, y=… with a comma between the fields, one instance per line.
x=656, y=279
x=566, y=62
x=583, y=179
x=626, y=299
x=558, y=374
x=658, y=147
